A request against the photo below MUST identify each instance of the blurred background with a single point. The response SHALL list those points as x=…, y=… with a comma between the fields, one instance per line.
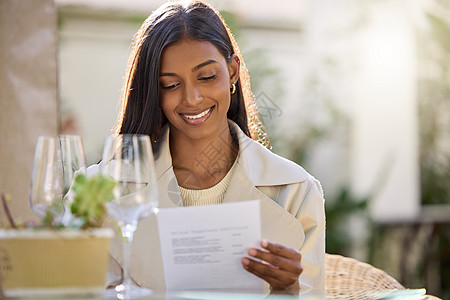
x=355, y=91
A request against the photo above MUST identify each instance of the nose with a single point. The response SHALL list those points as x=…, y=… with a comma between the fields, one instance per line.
x=192, y=95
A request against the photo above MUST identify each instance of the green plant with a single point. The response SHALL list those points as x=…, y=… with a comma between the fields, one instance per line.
x=338, y=212
x=88, y=208
x=434, y=108
x=91, y=195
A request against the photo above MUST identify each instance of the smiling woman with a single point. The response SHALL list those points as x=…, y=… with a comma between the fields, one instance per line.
x=195, y=99
x=187, y=87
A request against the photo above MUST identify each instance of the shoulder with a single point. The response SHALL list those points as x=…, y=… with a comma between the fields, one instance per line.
x=264, y=167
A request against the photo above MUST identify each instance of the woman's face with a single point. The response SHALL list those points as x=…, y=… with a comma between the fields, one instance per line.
x=195, y=83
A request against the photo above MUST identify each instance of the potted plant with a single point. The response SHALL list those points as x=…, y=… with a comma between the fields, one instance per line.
x=56, y=257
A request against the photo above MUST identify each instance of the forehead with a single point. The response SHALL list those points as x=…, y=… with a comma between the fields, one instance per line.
x=189, y=53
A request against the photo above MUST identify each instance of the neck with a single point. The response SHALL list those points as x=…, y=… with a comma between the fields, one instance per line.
x=206, y=162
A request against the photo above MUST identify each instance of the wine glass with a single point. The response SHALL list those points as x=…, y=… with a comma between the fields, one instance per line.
x=74, y=162
x=128, y=159
x=47, y=179
x=57, y=159
x=73, y=158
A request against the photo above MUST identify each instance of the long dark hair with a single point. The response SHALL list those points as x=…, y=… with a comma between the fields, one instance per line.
x=168, y=25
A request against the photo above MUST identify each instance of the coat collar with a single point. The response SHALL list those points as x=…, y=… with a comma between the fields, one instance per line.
x=161, y=152
x=263, y=167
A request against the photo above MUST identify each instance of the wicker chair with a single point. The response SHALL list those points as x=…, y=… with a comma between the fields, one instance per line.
x=348, y=278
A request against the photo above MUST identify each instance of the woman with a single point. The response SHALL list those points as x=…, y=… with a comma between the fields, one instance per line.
x=188, y=88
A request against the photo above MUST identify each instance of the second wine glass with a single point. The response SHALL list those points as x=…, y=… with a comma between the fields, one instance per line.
x=57, y=159
x=128, y=159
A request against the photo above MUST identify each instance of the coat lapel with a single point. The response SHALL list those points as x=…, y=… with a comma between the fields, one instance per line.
x=276, y=224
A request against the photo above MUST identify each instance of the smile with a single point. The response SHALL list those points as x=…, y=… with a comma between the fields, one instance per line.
x=198, y=118
x=199, y=115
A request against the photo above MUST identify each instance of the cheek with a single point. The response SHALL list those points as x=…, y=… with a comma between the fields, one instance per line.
x=221, y=93
x=168, y=105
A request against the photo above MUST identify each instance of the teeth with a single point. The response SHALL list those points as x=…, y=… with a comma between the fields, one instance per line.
x=199, y=115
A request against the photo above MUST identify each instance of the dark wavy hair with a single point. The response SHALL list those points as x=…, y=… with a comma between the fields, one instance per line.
x=170, y=24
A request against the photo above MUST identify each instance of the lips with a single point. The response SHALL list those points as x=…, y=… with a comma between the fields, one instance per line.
x=197, y=118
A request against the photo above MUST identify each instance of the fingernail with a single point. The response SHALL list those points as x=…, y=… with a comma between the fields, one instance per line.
x=245, y=261
x=264, y=243
x=252, y=252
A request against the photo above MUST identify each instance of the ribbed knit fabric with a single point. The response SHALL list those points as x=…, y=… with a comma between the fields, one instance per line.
x=212, y=195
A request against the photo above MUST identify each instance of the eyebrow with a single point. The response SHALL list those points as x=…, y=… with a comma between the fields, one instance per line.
x=211, y=61
x=208, y=62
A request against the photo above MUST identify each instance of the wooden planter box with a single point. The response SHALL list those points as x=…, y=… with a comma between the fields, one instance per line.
x=46, y=262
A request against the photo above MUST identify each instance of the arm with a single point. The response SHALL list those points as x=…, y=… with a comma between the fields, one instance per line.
x=311, y=215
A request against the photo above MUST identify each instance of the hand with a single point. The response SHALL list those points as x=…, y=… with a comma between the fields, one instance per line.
x=280, y=266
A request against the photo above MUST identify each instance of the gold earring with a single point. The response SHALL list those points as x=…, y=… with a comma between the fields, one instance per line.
x=233, y=89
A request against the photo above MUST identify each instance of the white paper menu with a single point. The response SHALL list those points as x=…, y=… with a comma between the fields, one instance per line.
x=202, y=246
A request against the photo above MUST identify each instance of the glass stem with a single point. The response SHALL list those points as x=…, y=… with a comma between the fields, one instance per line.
x=127, y=234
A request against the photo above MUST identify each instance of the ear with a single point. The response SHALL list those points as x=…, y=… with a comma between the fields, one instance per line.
x=233, y=68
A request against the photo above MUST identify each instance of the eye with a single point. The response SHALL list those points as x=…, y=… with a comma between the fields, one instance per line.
x=208, y=77
x=169, y=87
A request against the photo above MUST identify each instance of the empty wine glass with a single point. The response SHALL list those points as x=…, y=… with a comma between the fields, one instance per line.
x=57, y=159
x=74, y=162
x=128, y=159
x=47, y=179
x=73, y=158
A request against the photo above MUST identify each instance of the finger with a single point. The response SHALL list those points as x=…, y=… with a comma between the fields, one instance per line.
x=281, y=250
x=274, y=276
x=277, y=279
x=275, y=283
x=292, y=265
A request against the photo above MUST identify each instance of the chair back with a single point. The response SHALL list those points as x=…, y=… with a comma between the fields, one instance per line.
x=348, y=278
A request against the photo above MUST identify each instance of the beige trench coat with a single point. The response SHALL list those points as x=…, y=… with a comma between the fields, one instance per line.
x=292, y=212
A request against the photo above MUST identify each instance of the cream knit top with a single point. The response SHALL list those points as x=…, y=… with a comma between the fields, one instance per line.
x=212, y=195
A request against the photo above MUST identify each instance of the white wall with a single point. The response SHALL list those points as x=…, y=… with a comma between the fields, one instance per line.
x=371, y=49
x=384, y=138
x=92, y=60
